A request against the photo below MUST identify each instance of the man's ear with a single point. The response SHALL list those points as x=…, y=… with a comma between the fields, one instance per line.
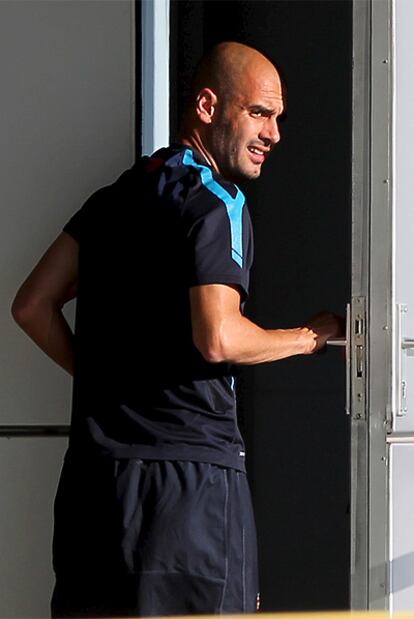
x=206, y=105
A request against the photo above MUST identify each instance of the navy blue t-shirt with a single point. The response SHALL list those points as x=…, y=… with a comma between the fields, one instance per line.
x=141, y=387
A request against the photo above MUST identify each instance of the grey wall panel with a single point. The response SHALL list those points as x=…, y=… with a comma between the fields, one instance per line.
x=29, y=470
x=402, y=455
x=66, y=128
x=402, y=531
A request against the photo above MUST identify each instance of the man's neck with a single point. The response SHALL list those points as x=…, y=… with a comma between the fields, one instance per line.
x=194, y=140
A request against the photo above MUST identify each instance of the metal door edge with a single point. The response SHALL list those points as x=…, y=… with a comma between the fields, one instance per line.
x=381, y=302
x=372, y=279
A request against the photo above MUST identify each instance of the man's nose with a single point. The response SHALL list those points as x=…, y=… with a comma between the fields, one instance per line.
x=270, y=131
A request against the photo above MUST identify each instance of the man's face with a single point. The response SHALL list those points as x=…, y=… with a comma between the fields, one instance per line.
x=246, y=127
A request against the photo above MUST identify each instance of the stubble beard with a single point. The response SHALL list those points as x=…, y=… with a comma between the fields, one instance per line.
x=231, y=162
x=231, y=156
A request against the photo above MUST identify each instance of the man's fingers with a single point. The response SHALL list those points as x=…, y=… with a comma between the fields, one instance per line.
x=327, y=324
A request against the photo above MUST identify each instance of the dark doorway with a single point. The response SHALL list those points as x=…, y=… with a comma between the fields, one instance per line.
x=292, y=412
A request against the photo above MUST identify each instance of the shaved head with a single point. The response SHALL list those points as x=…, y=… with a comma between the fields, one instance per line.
x=231, y=117
x=227, y=67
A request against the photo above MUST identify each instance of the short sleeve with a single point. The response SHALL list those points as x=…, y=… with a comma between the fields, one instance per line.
x=83, y=221
x=74, y=225
x=220, y=243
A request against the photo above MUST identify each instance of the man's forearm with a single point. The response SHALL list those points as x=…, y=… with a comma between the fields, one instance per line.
x=241, y=341
x=247, y=343
x=47, y=327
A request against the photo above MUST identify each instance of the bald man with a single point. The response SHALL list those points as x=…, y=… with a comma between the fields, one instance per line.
x=153, y=513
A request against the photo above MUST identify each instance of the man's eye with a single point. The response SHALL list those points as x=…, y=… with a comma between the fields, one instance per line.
x=256, y=114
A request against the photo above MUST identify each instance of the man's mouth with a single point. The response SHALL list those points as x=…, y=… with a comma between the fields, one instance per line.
x=257, y=155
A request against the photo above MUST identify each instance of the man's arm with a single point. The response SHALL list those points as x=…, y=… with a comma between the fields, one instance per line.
x=37, y=308
x=222, y=334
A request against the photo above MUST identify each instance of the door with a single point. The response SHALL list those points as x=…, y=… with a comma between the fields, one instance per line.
x=381, y=369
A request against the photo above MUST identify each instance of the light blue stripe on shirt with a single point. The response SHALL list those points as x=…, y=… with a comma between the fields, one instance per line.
x=234, y=206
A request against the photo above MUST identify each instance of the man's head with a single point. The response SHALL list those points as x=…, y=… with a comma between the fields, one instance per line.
x=236, y=99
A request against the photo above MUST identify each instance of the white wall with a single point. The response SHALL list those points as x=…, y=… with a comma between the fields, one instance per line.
x=66, y=128
x=402, y=455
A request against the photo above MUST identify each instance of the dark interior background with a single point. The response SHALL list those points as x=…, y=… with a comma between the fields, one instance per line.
x=292, y=412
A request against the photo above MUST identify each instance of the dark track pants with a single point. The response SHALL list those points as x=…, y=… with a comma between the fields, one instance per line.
x=136, y=537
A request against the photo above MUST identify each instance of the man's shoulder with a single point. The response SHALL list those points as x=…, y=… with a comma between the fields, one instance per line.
x=182, y=165
x=198, y=183
x=181, y=179
x=209, y=179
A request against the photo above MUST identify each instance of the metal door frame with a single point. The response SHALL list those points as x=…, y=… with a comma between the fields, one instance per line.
x=155, y=91
x=372, y=281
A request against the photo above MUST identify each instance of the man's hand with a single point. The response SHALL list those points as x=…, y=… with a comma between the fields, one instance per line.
x=326, y=325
